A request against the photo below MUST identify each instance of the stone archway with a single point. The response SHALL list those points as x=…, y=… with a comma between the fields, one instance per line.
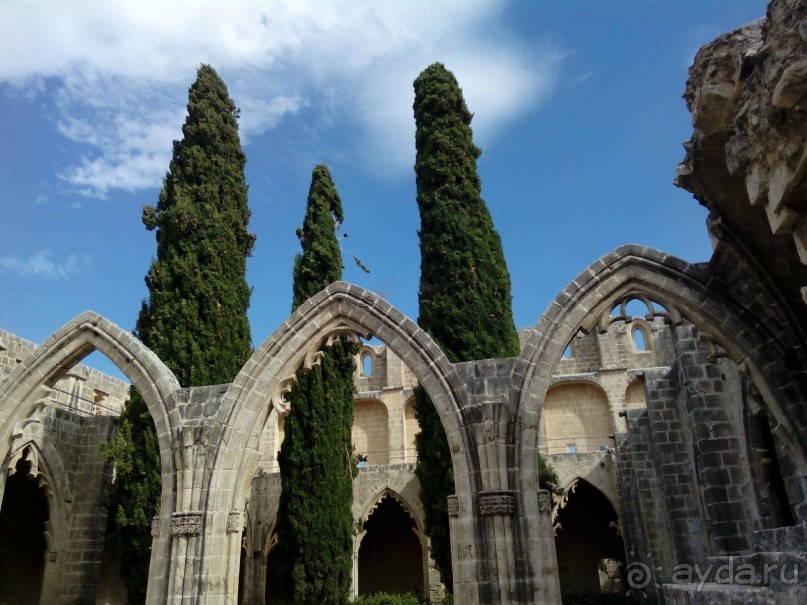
x=744, y=329
x=591, y=552
x=25, y=392
x=390, y=555
x=256, y=397
x=25, y=522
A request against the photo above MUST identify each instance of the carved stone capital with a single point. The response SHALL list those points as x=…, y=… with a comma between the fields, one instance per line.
x=453, y=506
x=501, y=502
x=186, y=524
x=155, y=527
x=234, y=524
x=544, y=502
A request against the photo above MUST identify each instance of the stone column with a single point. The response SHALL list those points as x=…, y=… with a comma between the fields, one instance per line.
x=501, y=533
x=722, y=476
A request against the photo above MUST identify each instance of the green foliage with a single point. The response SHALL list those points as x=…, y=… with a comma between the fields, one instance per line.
x=135, y=493
x=320, y=263
x=315, y=522
x=436, y=477
x=547, y=477
x=388, y=599
x=195, y=319
x=465, y=301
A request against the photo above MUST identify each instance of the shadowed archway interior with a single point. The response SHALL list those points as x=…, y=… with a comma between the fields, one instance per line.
x=23, y=522
x=390, y=556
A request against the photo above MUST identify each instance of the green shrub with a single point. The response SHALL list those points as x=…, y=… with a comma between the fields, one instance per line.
x=388, y=599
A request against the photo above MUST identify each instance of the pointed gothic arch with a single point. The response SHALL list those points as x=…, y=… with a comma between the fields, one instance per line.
x=258, y=390
x=26, y=390
x=589, y=541
x=384, y=550
x=747, y=330
x=257, y=393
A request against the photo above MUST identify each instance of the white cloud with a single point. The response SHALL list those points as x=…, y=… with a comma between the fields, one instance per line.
x=40, y=265
x=119, y=71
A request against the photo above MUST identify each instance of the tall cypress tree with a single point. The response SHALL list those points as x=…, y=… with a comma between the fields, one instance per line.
x=196, y=317
x=465, y=301
x=315, y=521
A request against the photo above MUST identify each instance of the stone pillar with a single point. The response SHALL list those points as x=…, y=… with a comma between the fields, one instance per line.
x=463, y=548
x=501, y=533
x=718, y=460
x=667, y=441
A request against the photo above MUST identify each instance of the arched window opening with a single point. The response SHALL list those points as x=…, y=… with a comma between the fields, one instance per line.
x=641, y=342
x=367, y=364
x=24, y=526
x=390, y=555
x=591, y=554
x=637, y=308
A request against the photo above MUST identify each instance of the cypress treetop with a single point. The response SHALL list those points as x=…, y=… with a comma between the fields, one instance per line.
x=465, y=300
x=195, y=318
x=320, y=263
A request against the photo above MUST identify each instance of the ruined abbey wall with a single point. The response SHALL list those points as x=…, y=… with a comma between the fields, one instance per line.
x=704, y=392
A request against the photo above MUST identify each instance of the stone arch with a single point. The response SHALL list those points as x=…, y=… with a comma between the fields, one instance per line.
x=257, y=394
x=47, y=461
x=55, y=485
x=589, y=539
x=373, y=503
x=640, y=336
x=26, y=389
x=748, y=330
x=26, y=524
x=257, y=391
x=367, y=362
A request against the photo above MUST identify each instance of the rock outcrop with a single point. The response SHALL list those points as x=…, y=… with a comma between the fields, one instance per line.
x=747, y=92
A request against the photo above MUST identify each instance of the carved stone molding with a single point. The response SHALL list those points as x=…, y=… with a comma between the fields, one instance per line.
x=453, y=506
x=186, y=524
x=497, y=503
x=544, y=502
x=155, y=527
x=234, y=524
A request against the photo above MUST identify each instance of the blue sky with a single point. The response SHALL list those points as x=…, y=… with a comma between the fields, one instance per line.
x=577, y=108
